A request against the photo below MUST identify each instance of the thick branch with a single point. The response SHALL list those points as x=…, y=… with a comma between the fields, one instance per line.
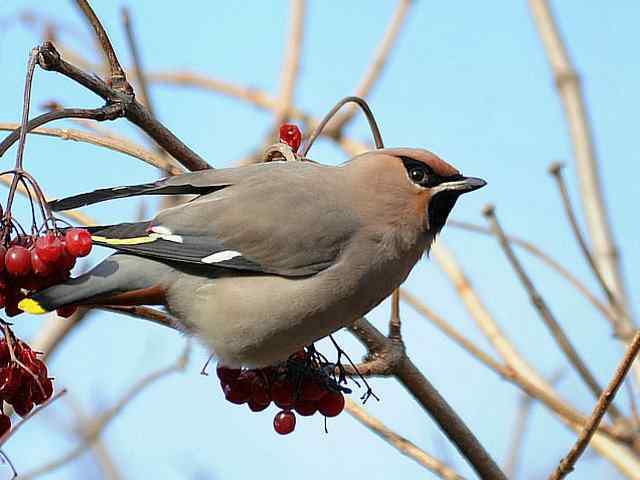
x=433, y=403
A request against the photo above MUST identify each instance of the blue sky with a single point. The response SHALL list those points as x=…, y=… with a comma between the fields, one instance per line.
x=469, y=81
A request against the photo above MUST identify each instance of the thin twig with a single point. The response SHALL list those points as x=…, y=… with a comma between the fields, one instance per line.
x=604, y=402
x=30, y=415
x=570, y=91
x=404, y=446
x=143, y=90
x=291, y=64
x=610, y=446
x=619, y=324
x=117, y=76
x=434, y=404
x=548, y=398
x=50, y=60
x=97, y=426
x=548, y=318
x=377, y=64
x=546, y=259
x=117, y=144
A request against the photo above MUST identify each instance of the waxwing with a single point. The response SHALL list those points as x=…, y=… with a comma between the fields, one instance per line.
x=269, y=258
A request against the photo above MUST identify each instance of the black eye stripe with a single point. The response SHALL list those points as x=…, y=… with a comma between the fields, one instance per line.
x=430, y=179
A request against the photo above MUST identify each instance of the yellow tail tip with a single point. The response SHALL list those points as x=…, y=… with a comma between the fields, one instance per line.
x=29, y=305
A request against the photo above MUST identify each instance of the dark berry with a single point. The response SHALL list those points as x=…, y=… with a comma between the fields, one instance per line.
x=312, y=390
x=5, y=424
x=283, y=394
x=306, y=408
x=227, y=375
x=284, y=422
x=66, y=311
x=10, y=382
x=331, y=404
x=38, y=395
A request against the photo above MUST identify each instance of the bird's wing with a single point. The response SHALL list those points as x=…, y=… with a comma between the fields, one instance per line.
x=191, y=183
x=286, y=221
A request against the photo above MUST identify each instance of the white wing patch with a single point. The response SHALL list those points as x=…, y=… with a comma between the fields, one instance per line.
x=164, y=233
x=221, y=256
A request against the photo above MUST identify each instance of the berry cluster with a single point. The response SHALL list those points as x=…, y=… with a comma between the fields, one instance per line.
x=30, y=263
x=24, y=379
x=302, y=385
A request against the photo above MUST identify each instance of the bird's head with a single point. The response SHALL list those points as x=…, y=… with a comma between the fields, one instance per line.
x=412, y=178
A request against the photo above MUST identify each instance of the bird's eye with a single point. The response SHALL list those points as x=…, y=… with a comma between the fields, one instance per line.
x=417, y=174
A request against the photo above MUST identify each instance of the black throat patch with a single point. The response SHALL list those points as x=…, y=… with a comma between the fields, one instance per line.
x=440, y=207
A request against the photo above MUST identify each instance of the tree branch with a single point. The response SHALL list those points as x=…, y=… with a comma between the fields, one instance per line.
x=542, y=308
x=403, y=445
x=50, y=60
x=567, y=464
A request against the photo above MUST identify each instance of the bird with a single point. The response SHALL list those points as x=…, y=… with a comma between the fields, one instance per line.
x=268, y=258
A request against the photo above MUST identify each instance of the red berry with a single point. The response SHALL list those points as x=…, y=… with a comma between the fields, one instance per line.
x=306, y=408
x=78, y=242
x=49, y=247
x=260, y=394
x=4, y=353
x=331, y=404
x=3, y=252
x=40, y=266
x=284, y=422
x=37, y=395
x=257, y=407
x=291, y=135
x=66, y=261
x=234, y=396
x=10, y=382
x=227, y=375
x=17, y=261
x=23, y=407
x=5, y=424
x=66, y=311
x=283, y=394
x=312, y=390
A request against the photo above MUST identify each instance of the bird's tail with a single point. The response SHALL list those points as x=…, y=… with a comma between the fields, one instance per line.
x=120, y=279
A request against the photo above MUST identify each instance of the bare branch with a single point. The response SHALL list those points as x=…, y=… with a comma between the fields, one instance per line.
x=143, y=90
x=567, y=464
x=549, y=319
x=291, y=65
x=403, y=445
x=50, y=60
x=569, y=89
x=619, y=455
x=100, y=422
x=545, y=258
x=377, y=65
x=118, y=78
x=432, y=402
x=620, y=326
x=117, y=144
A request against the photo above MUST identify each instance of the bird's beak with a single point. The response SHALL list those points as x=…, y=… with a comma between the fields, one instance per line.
x=460, y=185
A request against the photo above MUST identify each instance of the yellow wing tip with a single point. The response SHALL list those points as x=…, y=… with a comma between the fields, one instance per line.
x=29, y=305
